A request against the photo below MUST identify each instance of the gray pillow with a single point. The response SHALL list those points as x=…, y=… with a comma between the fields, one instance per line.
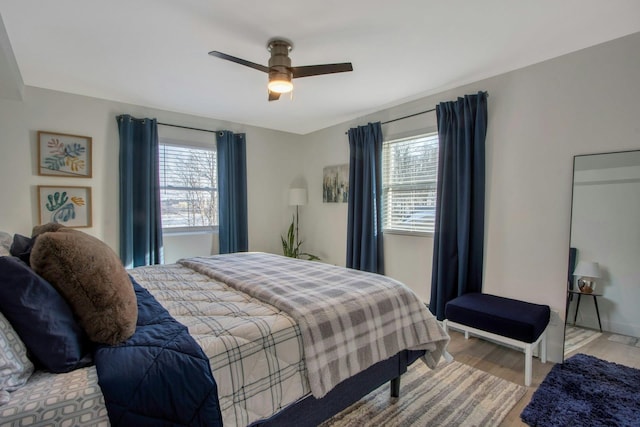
x=15, y=367
x=5, y=243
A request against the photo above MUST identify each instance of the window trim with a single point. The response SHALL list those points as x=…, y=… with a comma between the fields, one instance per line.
x=395, y=231
x=200, y=229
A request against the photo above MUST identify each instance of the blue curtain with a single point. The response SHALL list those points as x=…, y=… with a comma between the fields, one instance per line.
x=232, y=192
x=459, y=228
x=364, y=226
x=140, y=215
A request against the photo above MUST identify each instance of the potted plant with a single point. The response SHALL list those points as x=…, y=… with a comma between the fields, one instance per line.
x=291, y=245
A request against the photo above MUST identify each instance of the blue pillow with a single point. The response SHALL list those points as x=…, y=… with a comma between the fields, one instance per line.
x=42, y=318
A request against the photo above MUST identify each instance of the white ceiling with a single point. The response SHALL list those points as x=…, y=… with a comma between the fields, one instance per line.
x=154, y=52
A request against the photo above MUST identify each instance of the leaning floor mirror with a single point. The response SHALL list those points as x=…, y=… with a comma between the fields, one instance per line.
x=603, y=289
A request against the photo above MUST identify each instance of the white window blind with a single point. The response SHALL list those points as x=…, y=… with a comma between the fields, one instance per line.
x=409, y=177
x=188, y=188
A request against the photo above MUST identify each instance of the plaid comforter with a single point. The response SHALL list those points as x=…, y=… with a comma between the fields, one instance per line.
x=349, y=319
x=254, y=349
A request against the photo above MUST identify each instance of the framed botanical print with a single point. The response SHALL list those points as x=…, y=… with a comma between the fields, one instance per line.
x=69, y=206
x=61, y=154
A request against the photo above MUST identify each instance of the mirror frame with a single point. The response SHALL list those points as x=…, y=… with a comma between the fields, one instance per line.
x=573, y=179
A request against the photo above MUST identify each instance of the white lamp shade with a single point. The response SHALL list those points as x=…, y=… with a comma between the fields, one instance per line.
x=297, y=196
x=587, y=269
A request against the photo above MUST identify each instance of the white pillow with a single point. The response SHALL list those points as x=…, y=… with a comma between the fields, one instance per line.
x=15, y=367
x=5, y=243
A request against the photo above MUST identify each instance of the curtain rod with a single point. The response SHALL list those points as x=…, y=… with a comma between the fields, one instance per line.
x=406, y=117
x=187, y=127
x=383, y=123
x=410, y=115
x=403, y=117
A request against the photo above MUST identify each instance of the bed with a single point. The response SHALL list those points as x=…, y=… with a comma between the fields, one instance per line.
x=278, y=341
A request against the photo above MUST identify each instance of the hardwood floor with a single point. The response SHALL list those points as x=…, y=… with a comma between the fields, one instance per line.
x=613, y=351
x=508, y=363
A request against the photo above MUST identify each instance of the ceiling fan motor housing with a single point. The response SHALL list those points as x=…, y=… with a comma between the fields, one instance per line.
x=279, y=63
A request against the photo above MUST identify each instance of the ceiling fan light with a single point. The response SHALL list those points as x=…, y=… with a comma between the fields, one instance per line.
x=280, y=86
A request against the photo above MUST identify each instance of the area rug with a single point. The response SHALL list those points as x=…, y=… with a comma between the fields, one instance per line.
x=586, y=391
x=454, y=394
x=575, y=337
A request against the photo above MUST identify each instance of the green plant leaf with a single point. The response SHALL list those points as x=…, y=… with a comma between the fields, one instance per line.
x=291, y=248
x=310, y=257
x=291, y=235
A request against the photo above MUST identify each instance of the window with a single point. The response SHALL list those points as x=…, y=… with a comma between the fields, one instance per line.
x=188, y=188
x=409, y=176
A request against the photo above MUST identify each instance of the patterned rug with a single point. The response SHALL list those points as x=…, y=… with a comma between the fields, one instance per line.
x=575, y=337
x=454, y=394
x=586, y=391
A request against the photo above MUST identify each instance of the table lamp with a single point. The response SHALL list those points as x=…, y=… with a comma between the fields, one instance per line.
x=588, y=272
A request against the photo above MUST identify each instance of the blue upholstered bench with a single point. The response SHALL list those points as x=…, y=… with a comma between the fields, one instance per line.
x=509, y=321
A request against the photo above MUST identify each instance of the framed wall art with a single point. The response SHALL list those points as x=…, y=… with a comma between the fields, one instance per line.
x=69, y=206
x=335, y=184
x=61, y=154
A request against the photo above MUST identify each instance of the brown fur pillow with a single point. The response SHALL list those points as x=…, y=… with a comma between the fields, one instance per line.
x=50, y=226
x=90, y=276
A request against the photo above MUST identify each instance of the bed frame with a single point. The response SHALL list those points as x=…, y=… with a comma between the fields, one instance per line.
x=310, y=411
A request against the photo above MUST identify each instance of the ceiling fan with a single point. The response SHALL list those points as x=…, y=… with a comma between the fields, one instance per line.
x=280, y=70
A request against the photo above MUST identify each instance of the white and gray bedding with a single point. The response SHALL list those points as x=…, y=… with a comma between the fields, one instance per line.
x=254, y=349
x=258, y=353
x=349, y=319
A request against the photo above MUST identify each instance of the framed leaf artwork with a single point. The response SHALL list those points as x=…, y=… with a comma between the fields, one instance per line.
x=69, y=206
x=61, y=154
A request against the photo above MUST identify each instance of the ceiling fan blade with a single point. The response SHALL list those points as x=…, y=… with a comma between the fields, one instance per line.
x=274, y=96
x=315, y=70
x=239, y=61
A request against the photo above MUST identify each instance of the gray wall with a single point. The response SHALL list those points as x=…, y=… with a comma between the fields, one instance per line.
x=271, y=164
x=539, y=118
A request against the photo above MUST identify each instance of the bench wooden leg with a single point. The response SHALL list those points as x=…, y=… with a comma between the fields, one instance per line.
x=543, y=348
